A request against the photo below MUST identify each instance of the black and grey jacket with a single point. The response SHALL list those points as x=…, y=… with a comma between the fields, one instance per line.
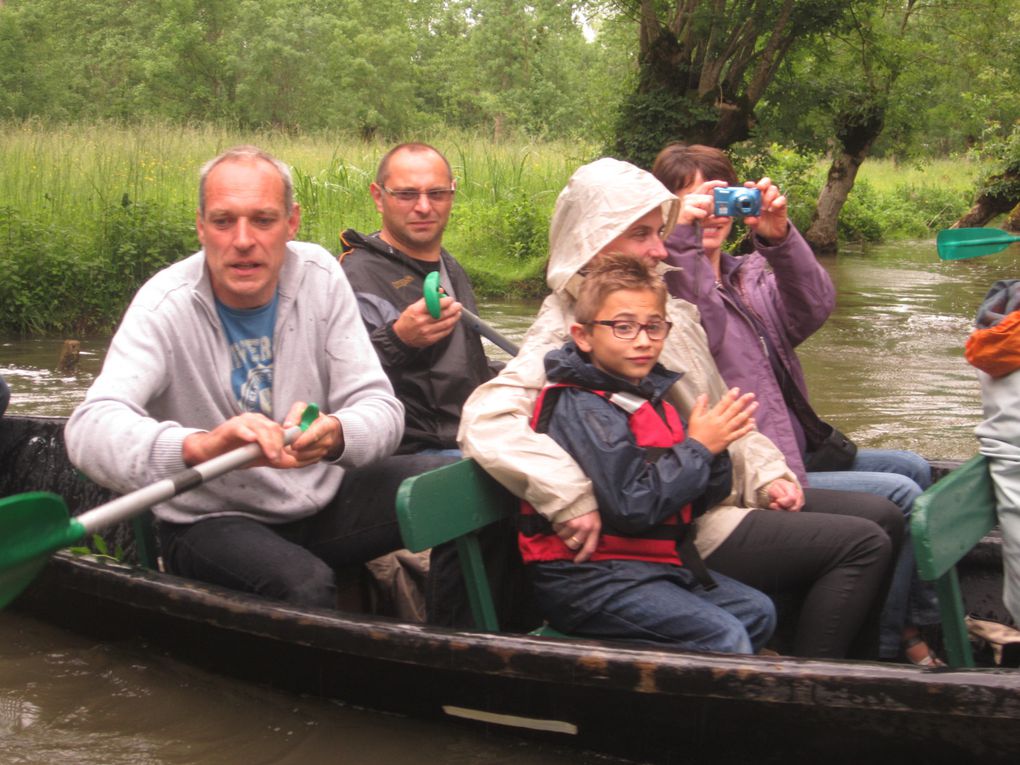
x=433, y=383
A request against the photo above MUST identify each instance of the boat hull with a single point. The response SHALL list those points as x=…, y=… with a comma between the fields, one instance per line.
x=644, y=704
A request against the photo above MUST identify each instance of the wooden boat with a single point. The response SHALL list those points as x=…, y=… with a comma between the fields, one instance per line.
x=645, y=704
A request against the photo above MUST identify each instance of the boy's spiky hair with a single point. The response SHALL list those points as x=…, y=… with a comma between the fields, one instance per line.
x=612, y=272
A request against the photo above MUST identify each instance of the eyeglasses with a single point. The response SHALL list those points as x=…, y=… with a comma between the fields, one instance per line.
x=411, y=196
x=625, y=329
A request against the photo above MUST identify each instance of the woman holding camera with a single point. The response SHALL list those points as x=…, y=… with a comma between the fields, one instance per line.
x=755, y=310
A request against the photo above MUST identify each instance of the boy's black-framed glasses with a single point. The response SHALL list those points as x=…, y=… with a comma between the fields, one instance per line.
x=410, y=196
x=625, y=329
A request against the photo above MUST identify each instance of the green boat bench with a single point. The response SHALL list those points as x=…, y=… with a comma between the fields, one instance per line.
x=455, y=502
x=949, y=519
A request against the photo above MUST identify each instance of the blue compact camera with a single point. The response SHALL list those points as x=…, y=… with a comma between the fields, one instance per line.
x=733, y=201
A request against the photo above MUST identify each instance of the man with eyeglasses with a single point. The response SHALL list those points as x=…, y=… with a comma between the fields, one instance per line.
x=434, y=364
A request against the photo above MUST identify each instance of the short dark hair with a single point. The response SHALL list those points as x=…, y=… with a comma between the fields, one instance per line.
x=415, y=147
x=612, y=272
x=247, y=153
x=677, y=165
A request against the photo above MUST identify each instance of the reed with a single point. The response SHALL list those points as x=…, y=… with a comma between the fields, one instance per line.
x=89, y=211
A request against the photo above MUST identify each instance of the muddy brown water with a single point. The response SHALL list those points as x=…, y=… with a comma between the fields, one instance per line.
x=887, y=368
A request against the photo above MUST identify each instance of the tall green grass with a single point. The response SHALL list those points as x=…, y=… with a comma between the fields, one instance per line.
x=89, y=211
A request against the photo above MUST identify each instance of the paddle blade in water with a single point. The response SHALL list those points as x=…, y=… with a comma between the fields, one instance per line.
x=32, y=526
x=962, y=243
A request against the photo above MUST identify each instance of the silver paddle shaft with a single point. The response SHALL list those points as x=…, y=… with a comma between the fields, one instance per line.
x=131, y=504
x=485, y=330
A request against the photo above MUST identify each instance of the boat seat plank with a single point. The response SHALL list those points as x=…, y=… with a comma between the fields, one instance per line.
x=455, y=502
x=948, y=520
x=449, y=502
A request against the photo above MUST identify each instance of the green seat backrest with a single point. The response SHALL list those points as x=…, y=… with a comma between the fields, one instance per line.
x=948, y=520
x=145, y=539
x=453, y=503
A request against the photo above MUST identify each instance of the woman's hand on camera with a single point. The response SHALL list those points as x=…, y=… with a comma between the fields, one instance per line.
x=698, y=204
x=773, y=223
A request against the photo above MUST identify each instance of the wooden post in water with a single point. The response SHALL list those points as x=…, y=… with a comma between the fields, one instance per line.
x=68, y=363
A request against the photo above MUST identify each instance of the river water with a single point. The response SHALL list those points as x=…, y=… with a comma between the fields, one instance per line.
x=887, y=368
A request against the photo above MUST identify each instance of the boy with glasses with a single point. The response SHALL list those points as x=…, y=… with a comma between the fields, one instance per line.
x=652, y=475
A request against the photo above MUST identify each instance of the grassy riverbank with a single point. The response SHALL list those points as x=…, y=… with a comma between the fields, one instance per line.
x=87, y=212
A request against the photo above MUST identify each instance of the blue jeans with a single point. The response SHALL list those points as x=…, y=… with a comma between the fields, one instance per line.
x=652, y=602
x=452, y=453
x=900, y=476
x=296, y=561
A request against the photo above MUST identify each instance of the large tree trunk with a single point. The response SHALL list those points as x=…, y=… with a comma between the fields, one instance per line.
x=990, y=204
x=1013, y=221
x=855, y=136
x=703, y=71
x=821, y=234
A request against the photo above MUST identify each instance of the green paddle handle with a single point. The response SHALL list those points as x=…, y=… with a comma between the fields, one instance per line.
x=431, y=293
x=430, y=290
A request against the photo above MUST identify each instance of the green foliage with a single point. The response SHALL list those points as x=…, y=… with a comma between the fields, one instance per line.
x=907, y=211
x=705, y=66
x=135, y=240
x=100, y=548
x=88, y=213
x=44, y=274
x=939, y=70
x=1003, y=179
x=651, y=120
x=382, y=69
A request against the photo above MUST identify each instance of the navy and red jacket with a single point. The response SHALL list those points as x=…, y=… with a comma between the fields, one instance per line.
x=649, y=481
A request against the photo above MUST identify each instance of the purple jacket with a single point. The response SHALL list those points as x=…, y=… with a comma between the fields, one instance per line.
x=792, y=296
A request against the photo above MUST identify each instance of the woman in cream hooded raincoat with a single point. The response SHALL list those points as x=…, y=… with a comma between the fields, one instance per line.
x=842, y=562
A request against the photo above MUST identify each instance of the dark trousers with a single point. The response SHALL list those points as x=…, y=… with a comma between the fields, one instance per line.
x=835, y=555
x=296, y=561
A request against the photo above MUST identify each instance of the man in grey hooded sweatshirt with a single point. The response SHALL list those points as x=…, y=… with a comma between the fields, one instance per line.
x=226, y=348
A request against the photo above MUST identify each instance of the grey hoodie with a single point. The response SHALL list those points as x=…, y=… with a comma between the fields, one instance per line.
x=167, y=375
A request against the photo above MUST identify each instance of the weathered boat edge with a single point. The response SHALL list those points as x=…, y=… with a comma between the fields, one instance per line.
x=639, y=703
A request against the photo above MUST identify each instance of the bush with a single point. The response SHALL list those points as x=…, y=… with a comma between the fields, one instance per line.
x=44, y=275
x=502, y=244
x=134, y=241
x=62, y=278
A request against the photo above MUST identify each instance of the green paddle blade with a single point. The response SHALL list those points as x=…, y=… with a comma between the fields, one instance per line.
x=962, y=243
x=32, y=526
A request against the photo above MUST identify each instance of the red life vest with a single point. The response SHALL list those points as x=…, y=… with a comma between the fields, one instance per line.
x=538, y=541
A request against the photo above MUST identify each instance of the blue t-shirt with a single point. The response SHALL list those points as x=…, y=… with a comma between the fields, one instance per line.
x=250, y=337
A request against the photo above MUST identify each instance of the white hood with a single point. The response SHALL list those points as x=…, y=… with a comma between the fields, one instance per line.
x=600, y=201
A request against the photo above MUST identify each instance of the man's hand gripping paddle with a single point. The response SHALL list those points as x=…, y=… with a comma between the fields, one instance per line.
x=431, y=292
x=36, y=524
